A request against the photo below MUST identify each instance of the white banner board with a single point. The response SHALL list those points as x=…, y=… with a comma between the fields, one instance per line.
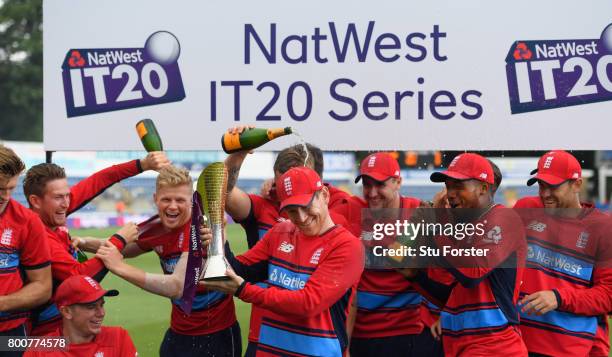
x=346, y=75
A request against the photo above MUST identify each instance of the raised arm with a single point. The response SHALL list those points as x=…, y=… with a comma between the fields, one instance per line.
x=170, y=285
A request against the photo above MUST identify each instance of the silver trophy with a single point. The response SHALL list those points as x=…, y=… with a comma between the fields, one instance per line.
x=212, y=186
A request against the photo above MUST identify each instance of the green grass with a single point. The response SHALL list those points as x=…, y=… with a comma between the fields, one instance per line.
x=147, y=316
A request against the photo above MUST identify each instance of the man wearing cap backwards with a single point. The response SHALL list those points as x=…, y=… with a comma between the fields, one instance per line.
x=211, y=328
x=80, y=300
x=479, y=314
x=310, y=265
x=25, y=272
x=388, y=320
x=564, y=305
x=49, y=196
x=258, y=213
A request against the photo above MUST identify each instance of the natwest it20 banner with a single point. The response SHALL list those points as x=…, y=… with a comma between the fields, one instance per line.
x=346, y=75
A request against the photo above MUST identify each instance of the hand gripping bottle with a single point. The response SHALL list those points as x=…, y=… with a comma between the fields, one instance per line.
x=251, y=138
x=149, y=136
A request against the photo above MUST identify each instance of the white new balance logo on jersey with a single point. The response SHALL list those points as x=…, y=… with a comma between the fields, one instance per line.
x=548, y=162
x=536, y=226
x=7, y=236
x=286, y=247
x=99, y=354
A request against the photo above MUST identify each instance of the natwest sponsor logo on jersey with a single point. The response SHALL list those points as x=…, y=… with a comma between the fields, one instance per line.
x=559, y=262
x=549, y=74
x=286, y=278
x=98, y=80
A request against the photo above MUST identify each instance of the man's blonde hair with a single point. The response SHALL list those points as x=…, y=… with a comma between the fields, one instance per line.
x=10, y=164
x=172, y=176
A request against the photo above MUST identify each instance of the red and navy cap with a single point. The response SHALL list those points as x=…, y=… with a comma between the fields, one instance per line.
x=80, y=289
x=555, y=167
x=297, y=187
x=466, y=166
x=379, y=166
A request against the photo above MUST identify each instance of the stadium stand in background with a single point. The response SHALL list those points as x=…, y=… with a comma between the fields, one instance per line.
x=131, y=200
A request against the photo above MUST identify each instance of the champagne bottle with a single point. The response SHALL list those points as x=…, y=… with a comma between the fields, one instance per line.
x=251, y=138
x=149, y=136
x=81, y=257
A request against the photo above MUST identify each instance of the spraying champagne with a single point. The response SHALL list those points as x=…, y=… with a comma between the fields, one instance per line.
x=251, y=138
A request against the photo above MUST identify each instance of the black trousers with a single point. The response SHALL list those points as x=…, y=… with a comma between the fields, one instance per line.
x=225, y=343
x=403, y=345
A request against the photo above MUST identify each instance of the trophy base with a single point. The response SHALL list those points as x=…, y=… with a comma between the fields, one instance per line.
x=215, y=269
x=216, y=278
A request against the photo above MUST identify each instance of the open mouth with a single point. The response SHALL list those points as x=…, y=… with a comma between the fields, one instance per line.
x=172, y=216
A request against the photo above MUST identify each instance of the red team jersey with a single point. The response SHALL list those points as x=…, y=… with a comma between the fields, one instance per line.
x=64, y=262
x=110, y=342
x=309, y=281
x=22, y=247
x=571, y=257
x=479, y=314
x=212, y=311
x=387, y=303
x=263, y=215
x=430, y=313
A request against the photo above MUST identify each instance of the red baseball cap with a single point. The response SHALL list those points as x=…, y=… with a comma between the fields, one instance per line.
x=555, y=167
x=80, y=289
x=466, y=166
x=379, y=166
x=297, y=187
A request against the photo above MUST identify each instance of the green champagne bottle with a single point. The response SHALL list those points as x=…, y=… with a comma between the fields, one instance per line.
x=251, y=138
x=149, y=136
x=81, y=257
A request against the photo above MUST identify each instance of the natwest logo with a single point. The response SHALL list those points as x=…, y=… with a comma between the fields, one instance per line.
x=76, y=60
x=547, y=74
x=522, y=52
x=98, y=80
x=287, y=279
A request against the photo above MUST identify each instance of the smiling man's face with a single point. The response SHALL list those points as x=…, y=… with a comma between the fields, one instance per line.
x=173, y=205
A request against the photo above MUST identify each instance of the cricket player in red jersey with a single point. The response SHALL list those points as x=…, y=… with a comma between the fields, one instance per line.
x=429, y=311
x=479, y=315
x=388, y=319
x=310, y=265
x=564, y=306
x=25, y=272
x=211, y=329
x=46, y=189
x=81, y=302
x=258, y=213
